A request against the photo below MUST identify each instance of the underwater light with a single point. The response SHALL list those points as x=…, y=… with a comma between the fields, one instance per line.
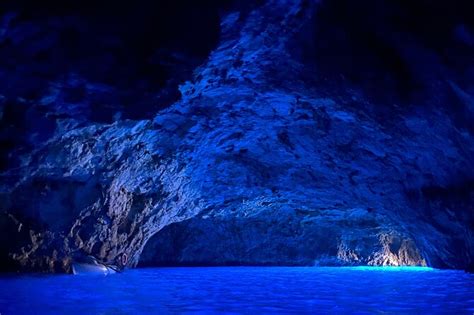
x=391, y=268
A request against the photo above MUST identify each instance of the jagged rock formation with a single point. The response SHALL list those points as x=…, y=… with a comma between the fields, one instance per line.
x=291, y=144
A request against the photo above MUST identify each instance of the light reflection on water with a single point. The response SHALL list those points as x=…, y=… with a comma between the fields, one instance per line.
x=242, y=290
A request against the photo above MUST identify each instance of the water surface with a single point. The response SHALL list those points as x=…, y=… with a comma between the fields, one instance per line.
x=242, y=290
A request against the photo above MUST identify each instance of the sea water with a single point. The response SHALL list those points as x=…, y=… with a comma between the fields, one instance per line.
x=242, y=290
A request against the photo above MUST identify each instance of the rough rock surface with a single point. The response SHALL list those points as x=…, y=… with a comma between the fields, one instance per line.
x=269, y=157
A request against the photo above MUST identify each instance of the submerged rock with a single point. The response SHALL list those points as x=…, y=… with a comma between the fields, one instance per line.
x=261, y=161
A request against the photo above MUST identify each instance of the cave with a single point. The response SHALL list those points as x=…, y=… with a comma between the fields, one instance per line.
x=270, y=156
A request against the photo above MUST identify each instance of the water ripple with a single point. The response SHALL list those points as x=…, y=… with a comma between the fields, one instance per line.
x=237, y=290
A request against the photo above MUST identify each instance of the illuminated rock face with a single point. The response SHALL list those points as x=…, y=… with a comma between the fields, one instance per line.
x=275, y=153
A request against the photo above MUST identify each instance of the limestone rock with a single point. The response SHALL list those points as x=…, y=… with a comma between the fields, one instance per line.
x=260, y=161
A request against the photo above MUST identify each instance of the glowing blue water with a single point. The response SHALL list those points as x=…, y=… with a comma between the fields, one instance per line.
x=242, y=290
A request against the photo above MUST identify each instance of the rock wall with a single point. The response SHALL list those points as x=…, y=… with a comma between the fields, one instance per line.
x=295, y=142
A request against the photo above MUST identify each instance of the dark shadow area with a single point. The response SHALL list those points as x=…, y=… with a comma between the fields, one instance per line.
x=395, y=51
x=140, y=50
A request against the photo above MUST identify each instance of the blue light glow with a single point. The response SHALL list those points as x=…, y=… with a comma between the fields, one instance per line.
x=237, y=290
x=392, y=268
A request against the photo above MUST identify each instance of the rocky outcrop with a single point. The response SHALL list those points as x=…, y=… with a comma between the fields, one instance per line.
x=266, y=158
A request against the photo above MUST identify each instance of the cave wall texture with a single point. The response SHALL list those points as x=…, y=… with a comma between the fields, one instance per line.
x=278, y=132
